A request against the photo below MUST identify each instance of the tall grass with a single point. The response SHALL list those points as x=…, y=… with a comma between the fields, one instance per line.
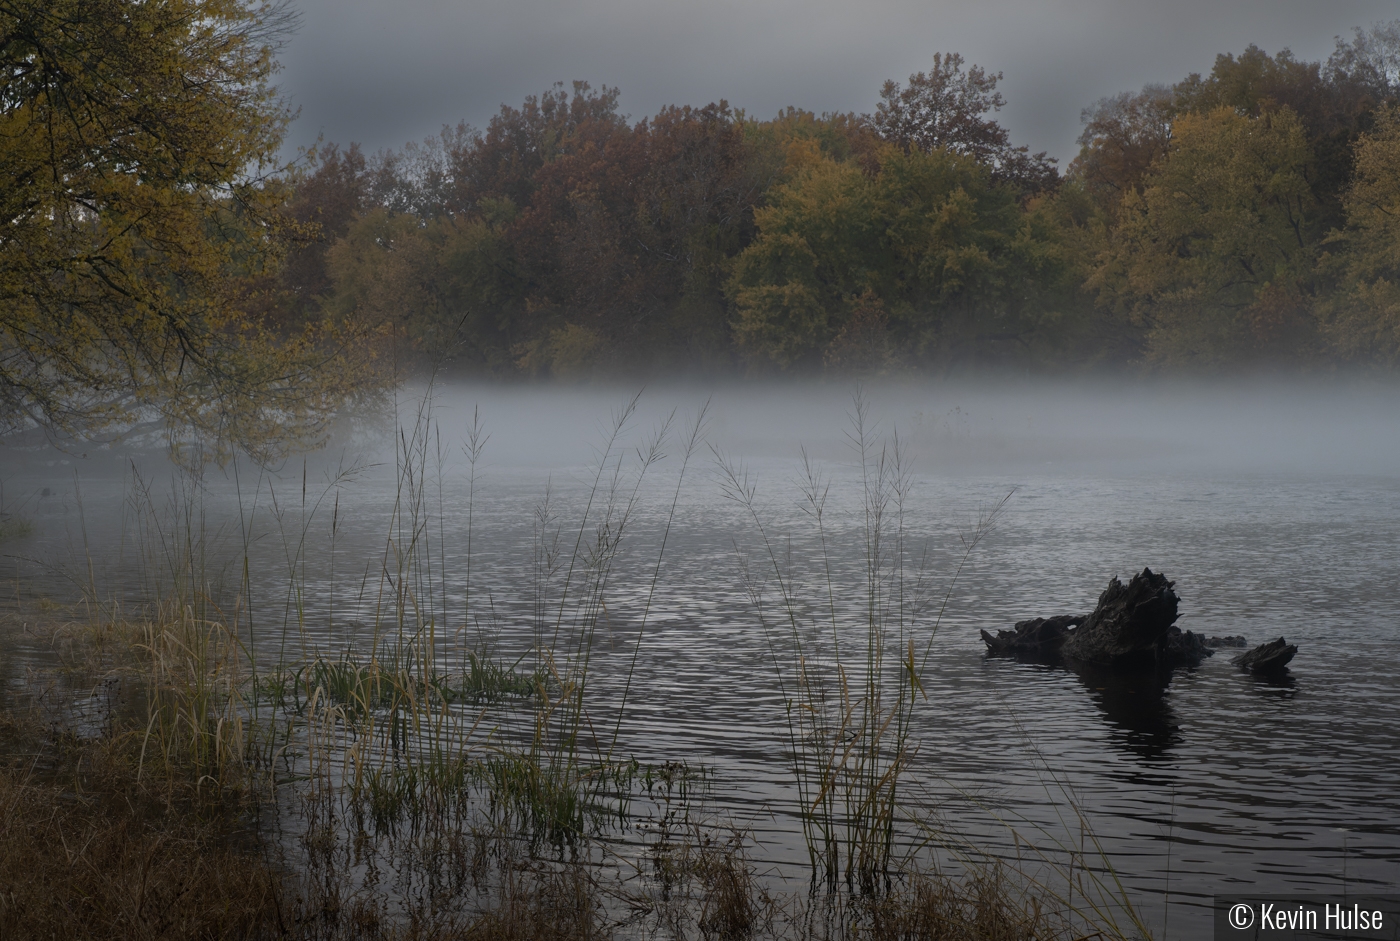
x=849, y=659
x=422, y=732
x=398, y=721
x=177, y=647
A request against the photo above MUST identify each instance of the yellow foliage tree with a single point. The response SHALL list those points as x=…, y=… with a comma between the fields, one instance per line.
x=140, y=199
x=1215, y=257
x=1365, y=321
x=927, y=260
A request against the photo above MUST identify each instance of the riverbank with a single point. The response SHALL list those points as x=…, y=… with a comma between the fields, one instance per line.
x=102, y=838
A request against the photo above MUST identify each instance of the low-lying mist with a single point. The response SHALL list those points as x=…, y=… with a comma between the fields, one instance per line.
x=1009, y=427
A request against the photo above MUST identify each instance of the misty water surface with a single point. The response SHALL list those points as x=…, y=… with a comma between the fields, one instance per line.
x=1274, y=507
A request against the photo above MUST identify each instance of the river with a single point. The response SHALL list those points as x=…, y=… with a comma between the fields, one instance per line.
x=1275, y=508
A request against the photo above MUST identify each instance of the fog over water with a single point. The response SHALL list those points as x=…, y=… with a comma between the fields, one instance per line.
x=1275, y=507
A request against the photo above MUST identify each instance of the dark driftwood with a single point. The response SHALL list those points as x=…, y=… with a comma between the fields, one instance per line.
x=1183, y=648
x=1267, y=658
x=1132, y=628
x=1039, y=638
x=1129, y=625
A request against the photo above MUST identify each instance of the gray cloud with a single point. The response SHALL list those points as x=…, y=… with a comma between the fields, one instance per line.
x=383, y=73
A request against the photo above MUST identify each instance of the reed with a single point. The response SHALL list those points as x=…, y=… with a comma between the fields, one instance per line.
x=484, y=783
x=396, y=727
x=850, y=672
x=177, y=649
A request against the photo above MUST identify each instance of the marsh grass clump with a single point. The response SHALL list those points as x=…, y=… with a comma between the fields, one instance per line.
x=489, y=679
x=192, y=676
x=14, y=527
x=712, y=875
x=166, y=682
x=544, y=902
x=984, y=905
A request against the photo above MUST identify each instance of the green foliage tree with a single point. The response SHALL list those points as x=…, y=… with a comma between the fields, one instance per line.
x=138, y=142
x=1333, y=106
x=1215, y=259
x=930, y=247
x=1364, y=321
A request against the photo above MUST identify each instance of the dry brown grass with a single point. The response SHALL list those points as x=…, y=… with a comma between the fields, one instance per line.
x=84, y=862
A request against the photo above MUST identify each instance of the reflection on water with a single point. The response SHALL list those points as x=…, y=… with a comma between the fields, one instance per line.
x=1274, y=513
x=1135, y=706
x=1274, y=684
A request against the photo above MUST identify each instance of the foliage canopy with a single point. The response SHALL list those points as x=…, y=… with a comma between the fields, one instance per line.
x=1236, y=218
x=138, y=144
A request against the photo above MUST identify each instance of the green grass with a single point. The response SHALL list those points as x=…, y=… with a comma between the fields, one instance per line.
x=14, y=527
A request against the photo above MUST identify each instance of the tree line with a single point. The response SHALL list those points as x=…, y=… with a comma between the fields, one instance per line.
x=162, y=267
x=1242, y=217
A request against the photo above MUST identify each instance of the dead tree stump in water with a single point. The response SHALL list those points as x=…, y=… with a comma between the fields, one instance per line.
x=1267, y=658
x=1038, y=638
x=1132, y=628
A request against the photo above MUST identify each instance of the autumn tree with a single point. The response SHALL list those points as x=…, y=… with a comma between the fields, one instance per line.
x=945, y=108
x=138, y=144
x=1215, y=259
x=1123, y=136
x=562, y=240
x=1333, y=104
x=502, y=163
x=1209, y=223
x=1364, y=321
x=327, y=197
x=637, y=231
x=930, y=249
x=841, y=136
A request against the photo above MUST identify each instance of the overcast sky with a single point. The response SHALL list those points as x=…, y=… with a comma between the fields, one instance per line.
x=382, y=73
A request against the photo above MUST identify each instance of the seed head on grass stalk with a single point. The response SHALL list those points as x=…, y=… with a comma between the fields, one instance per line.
x=849, y=716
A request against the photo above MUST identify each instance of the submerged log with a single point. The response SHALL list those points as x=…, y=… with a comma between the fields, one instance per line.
x=1234, y=640
x=1132, y=628
x=1037, y=638
x=1267, y=658
x=1184, y=648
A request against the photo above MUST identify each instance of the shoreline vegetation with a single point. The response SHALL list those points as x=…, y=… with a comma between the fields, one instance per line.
x=189, y=769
